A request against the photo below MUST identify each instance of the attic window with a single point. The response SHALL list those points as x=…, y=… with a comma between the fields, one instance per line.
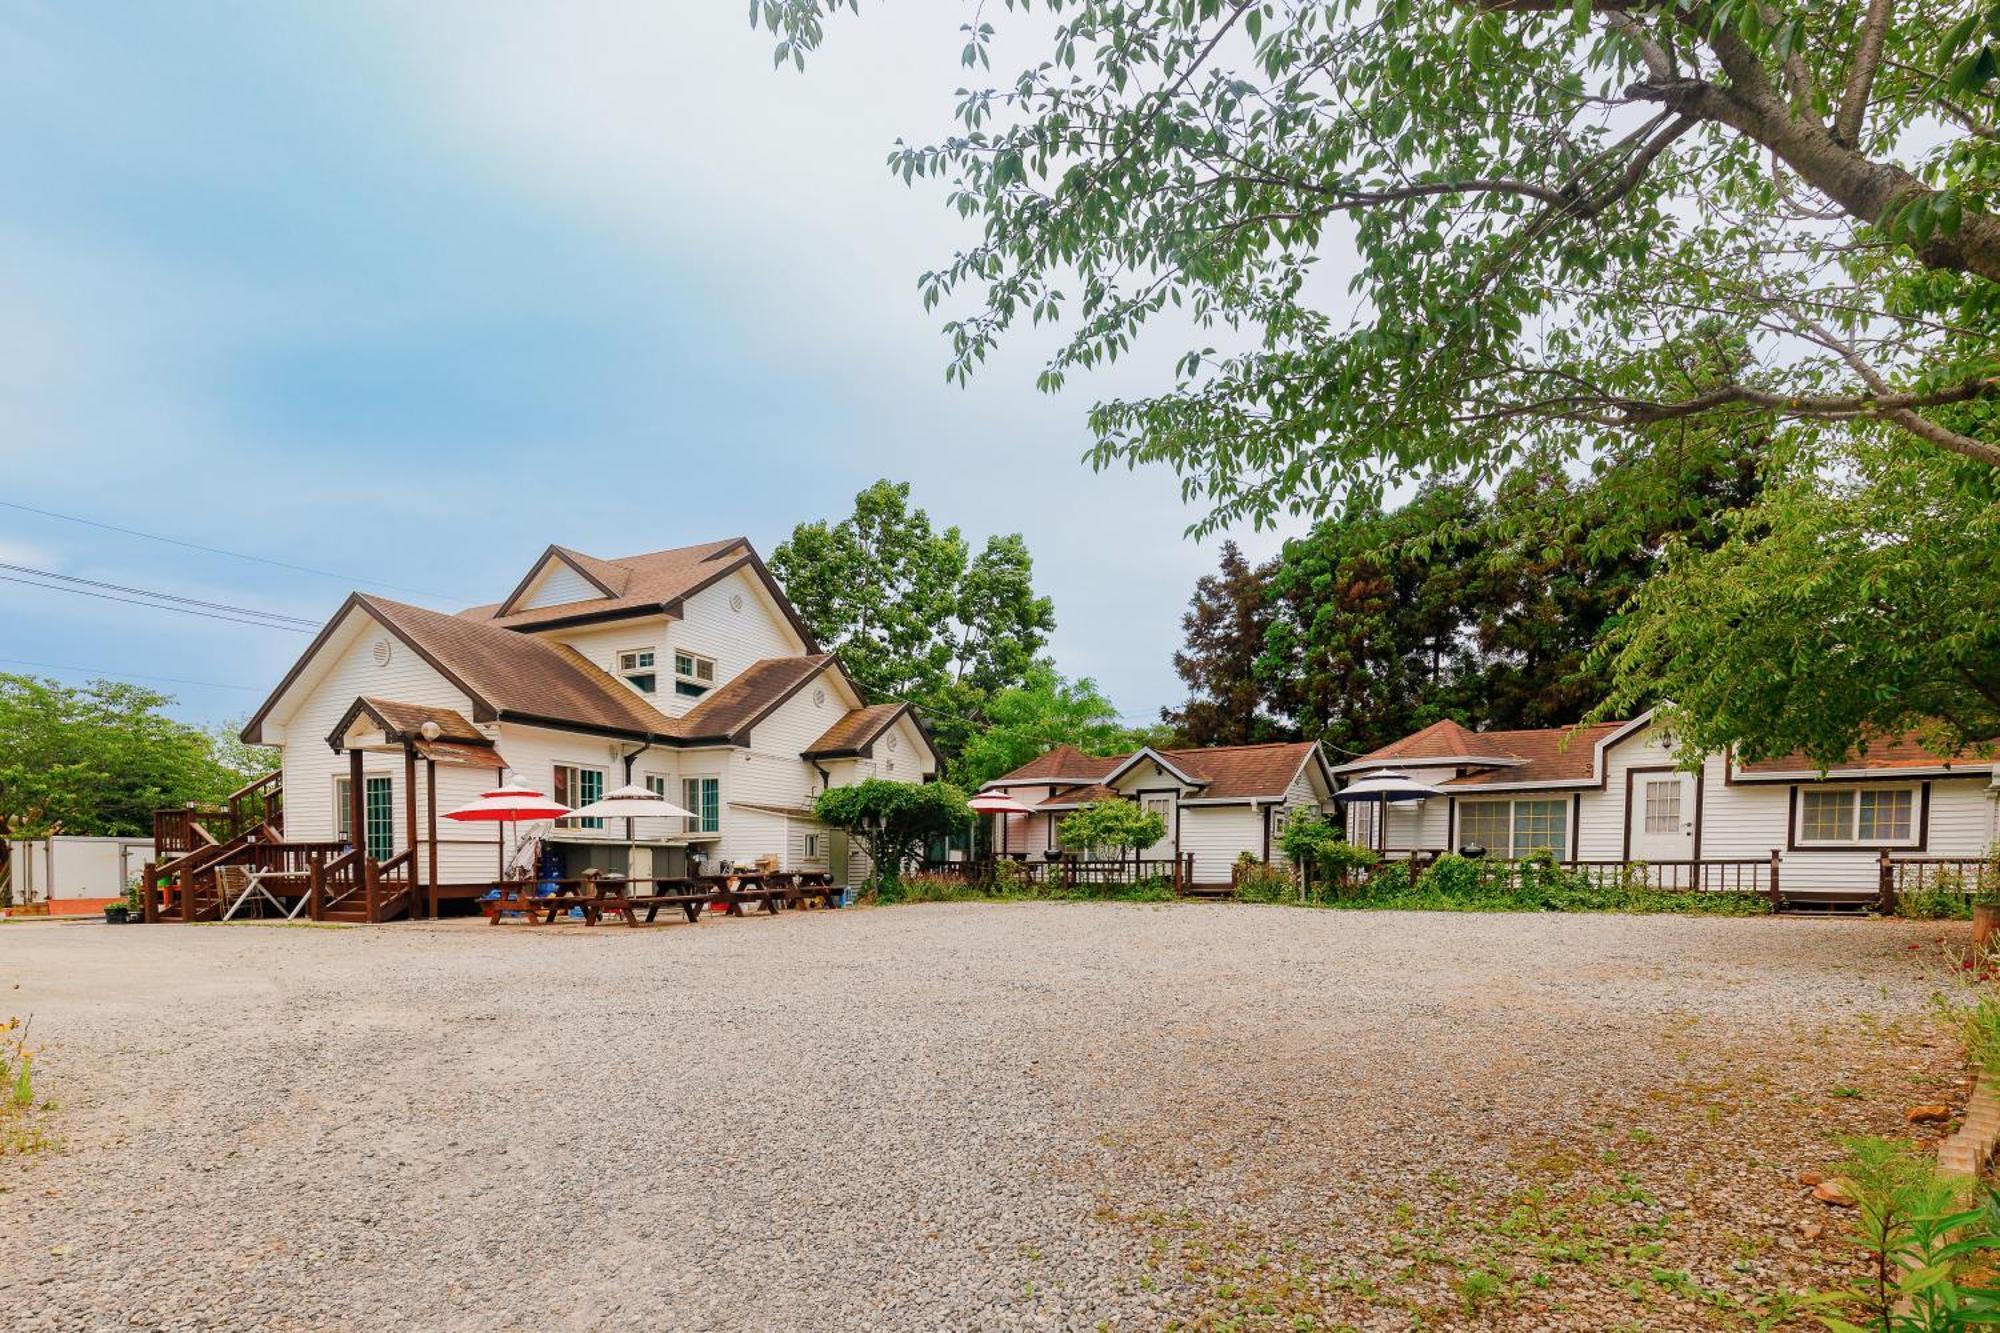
x=636, y=667
x=693, y=676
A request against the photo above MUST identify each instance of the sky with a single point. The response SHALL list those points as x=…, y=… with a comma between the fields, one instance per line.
x=403, y=294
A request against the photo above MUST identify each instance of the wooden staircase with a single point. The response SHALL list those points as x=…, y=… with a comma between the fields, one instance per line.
x=247, y=829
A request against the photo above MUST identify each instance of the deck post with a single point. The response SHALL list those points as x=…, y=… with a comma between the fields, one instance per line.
x=1777, y=894
x=371, y=880
x=315, y=884
x=410, y=824
x=149, y=897
x=1885, y=884
x=431, y=803
x=357, y=811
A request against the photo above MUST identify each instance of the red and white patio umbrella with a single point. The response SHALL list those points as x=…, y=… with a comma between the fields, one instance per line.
x=1001, y=804
x=506, y=806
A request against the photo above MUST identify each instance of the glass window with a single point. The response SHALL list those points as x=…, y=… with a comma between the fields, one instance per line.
x=378, y=795
x=1488, y=823
x=1885, y=816
x=704, y=797
x=693, y=676
x=812, y=847
x=636, y=666
x=1541, y=825
x=1826, y=816
x=1663, y=805
x=575, y=786
x=343, y=810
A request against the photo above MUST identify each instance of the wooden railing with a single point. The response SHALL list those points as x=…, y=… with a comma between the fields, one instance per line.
x=261, y=801
x=1069, y=872
x=255, y=807
x=1750, y=874
x=1899, y=875
x=336, y=881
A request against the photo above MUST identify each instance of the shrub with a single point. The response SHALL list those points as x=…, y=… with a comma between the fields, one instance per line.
x=1942, y=897
x=1261, y=882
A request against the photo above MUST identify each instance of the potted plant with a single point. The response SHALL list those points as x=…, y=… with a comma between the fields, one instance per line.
x=1986, y=903
x=114, y=914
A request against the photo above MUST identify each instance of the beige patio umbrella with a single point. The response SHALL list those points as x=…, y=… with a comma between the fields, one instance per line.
x=629, y=803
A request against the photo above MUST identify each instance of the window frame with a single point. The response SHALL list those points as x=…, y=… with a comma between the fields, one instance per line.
x=701, y=805
x=691, y=683
x=1511, y=849
x=575, y=786
x=1918, y=796
x=648, y=671
x=343, y=810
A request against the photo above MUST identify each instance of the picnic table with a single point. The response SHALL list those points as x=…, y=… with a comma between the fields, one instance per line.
x=247, y=883
x=594, y=900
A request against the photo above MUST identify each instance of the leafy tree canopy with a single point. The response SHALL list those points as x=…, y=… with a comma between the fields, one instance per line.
x=893, y=820
x=912, y=612
x=1832, y=611
x=1225, y=624
x=1576, y=224
x=1112, y=825
x=1043, y=712
x=100, y=758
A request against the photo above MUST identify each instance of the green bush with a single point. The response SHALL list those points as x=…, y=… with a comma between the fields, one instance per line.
x=1536, y=883
x=1261, y=882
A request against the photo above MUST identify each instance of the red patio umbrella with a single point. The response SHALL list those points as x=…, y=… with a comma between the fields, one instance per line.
x=508, y=805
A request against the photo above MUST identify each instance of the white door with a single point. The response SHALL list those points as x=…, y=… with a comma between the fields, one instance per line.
x=1662, y=816
x=1163, y=806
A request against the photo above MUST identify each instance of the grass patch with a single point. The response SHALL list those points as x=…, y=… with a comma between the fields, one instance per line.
x=1461, y=884
x=24, y=1118
x=1016, y=887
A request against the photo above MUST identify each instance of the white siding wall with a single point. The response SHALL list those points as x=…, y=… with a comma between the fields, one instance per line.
x=347, y=671
x=734, y=639
x=559, y=585
x=1215, y=835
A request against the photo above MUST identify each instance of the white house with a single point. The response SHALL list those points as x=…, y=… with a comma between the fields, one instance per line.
x=1218, y=802
x=686, y=670
x=1611, y=792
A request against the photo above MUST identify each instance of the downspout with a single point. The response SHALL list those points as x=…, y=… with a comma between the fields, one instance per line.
x=631, y=836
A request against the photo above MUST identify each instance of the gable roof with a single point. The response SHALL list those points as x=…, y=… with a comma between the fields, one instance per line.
x=653, y=583
x=1220, y=772
x=856, y=733
x=405, y=722
x=1245, y=772
x=727, y=712
x=1545, y=755
x=1439, y=743
x=1064, y=763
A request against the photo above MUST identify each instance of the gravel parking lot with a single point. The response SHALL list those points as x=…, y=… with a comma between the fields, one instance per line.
x=953, y=1116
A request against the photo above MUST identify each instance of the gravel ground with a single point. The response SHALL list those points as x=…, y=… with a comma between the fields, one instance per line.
x=952, y=1116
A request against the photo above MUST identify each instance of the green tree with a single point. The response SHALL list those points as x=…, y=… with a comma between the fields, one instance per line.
x=1832, y=611
x=1575, y=224
x=913, y=613
x=1224, y=625
x=1112, y=825
x=893, y=820
x=98, y=758
x=1032, y=718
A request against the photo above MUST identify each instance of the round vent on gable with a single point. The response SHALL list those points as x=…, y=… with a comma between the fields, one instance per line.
x=735, y=601
x=382, y=652
x=892, y=745
x=819, y=697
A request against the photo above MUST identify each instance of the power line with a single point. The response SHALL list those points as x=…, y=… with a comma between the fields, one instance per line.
x=126, y=676
x=157, y=606
x=162, y=596
x=349, y=579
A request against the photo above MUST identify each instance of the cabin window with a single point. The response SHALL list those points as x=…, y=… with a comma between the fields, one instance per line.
x=1515, y=828
x=635, y=666
x=704, y=797
x=812, y=847
x=1488, y=823
x=693, y=676
x=379, y=802
x=1855, y=816
x=575, y=787
x=1663, y=806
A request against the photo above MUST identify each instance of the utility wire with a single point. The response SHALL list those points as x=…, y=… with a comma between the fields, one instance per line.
x=162, y=596
x=349, y=579
x=126, y=676
x=157, y=606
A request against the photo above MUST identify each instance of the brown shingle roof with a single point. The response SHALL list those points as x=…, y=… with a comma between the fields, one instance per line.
x=637, y=583
x=402, y=719
x=1077, y=796
x=1064, y=762
x=1242, y=772
x=729, y=710
x=1440, y=740
x=855, y=732
x=1880, y=752
x=1549, y=754
x=520, y=675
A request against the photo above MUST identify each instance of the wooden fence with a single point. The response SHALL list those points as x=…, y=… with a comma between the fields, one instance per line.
x=1072, y=872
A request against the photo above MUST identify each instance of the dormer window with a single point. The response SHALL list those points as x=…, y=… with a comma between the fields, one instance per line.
x=636, y=667
x=693, y=676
